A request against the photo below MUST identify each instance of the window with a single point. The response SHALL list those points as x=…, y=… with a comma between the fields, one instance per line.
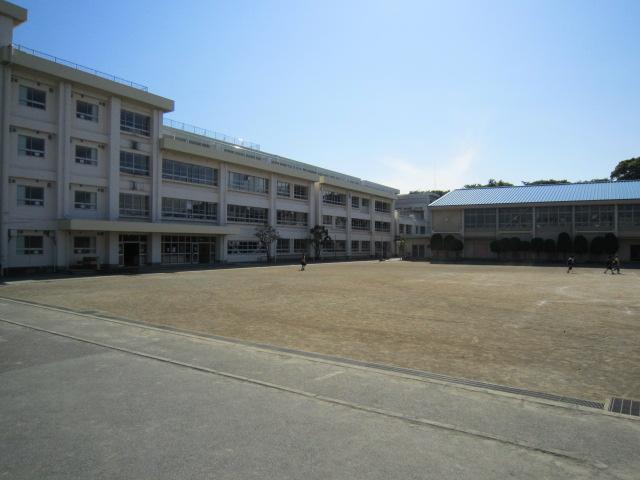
x=554, y=216
x=32, y=97
x=334, y=198
x=135, y=123
x=360, y=224
x=186, y=249
x=401, y=228
x=365, y=246
x=341, y=223
x=242, y=214
x=86, y=155
x=30, y=146
x=383, y=207
x=301, y=192
x=282, y=245
x=340, y=246
x=29, y=245
x=423, y=230
x=327, y=220
x=629, y=217
x=383, y=227
x=87, y=111
x=355, y=202
x=364, y=205
x=189, y=209
x=244, y=247
x=134, y=163
x=287, y=217
x=284, y=189
x=248, y=183
x=594, y=217
x=515, y=219
x=84, y=245
x=409, y=229
x=187, y=172
x=299, y=245
x=355, y=246
x=133, y=205
x=480, y=219
x=85, y=200
x=30, y=196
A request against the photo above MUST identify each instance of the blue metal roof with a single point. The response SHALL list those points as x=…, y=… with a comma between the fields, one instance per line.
x=575, y=192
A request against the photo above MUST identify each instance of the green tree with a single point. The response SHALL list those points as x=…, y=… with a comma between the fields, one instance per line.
x=610, y=244
x=565, y=244
x=580, y=245
x=627, y=170
x=319, y=238
x=449, y=243
x=266, y=236
x=457, y=246
x=490, y=183
x=551, y=181
x=505, y=245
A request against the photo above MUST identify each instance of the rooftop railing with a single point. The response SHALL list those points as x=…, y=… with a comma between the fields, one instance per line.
x=77, y=66
x=209, y=133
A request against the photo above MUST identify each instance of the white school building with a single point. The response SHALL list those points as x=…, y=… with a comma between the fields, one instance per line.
x=92, y=173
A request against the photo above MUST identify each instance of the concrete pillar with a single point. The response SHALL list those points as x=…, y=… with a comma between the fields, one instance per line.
x=63, y=139
x=113, y=249
x=114, y=159
x=223, y=180
x=156, y=167
x=221, y=247
x=10, y=17
x=63, y=248
x=349, y=209
x=155, y=245
x=5, y=136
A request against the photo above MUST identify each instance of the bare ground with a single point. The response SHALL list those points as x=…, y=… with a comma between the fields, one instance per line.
x=529, y=327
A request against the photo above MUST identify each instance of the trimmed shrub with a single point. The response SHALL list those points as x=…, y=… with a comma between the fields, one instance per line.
x=495, y=247
x=537, y=245
x=565, y=244
x=505, y=245
x=549, y=246
x=580, y=245
x=514, y=244
x=449, y=243
x=597, y=246
x=610, y=244
x=436, y=242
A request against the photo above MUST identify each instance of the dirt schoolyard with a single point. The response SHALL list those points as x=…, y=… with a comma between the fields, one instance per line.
x=530, y=327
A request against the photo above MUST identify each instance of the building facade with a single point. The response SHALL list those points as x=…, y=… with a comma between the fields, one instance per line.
x=93, y=174
x=479, y=216
x=413, y=224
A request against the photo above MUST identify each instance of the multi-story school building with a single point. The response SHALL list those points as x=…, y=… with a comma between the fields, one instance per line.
x=413, y=224
x=480, y=215
x=92, y=173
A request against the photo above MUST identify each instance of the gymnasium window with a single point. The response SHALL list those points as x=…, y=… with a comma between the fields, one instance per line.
x=629, y=217
x=480, y=219
x=594, y=217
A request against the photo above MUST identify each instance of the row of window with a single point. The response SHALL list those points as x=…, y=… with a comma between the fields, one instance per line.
x=595, y=217
x=300, y=192
x=131, y=122
x=340, y=223
x=34, y=197
x=409, y=230
x=34, y=245
x=179, y=208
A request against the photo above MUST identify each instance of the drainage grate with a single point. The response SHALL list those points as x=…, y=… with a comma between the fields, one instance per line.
x=625, y=406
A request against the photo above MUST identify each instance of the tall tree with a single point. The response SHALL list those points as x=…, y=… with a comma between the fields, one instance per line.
x=627, y=170
x=319, y=238
x=551, y=181
x=491, y=183
x=266, y=236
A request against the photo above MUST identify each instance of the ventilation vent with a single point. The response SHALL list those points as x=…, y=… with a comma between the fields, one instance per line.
x=625, y=406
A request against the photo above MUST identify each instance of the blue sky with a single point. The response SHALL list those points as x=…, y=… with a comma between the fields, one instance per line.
x=412, y=94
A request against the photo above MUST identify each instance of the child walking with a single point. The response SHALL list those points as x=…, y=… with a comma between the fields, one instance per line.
x=303, y=262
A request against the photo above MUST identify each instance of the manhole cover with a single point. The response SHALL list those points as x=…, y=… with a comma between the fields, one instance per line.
x=625, y=406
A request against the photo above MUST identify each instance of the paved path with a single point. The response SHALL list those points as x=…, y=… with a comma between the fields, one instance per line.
x=86, y=397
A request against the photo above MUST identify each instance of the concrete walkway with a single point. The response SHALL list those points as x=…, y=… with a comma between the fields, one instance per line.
x=88, y=397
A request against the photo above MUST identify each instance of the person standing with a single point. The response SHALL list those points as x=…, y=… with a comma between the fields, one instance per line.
x=303, y=262
x=609, y=265
x=570, y=262
x=616, y=265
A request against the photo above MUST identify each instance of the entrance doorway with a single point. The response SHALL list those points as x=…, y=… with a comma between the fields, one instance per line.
x=133, y=250
x=204, y=258
x=188, y=250
x=635, y=252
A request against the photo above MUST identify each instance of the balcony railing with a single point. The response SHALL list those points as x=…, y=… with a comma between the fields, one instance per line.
x=209, y=133
x=77, y=66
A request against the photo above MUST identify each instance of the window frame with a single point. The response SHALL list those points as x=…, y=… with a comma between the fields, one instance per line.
x=134, y=122
x=25, y=249
x=83, y=160
x=25, y=198
x=92, y=204
x=90, y=117
x=29, y=149
x=32, y=102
